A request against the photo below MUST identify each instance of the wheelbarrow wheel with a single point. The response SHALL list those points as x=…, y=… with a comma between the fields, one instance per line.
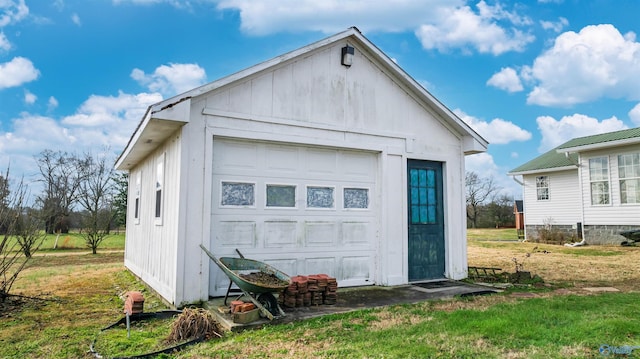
x=269, y=302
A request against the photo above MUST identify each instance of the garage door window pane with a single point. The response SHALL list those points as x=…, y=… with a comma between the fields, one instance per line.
x=281, y=196
x=356, y=198
x=320, y=197
x=238, y=194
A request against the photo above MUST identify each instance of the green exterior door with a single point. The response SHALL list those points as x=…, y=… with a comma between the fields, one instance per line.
x=426, y=220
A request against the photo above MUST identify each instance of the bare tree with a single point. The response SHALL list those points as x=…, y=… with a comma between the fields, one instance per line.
x=96, y=196
x=479, y=190
x=61, y=173
x=12, y=262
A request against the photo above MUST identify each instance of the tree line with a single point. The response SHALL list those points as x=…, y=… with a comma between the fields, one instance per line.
x=487, y=206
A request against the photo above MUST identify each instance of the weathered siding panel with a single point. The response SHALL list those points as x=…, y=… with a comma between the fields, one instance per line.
x=150, y=250
x=317, y=89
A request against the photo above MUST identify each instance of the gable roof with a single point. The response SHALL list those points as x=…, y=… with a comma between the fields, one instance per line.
x=565, y=156
x=156, y=125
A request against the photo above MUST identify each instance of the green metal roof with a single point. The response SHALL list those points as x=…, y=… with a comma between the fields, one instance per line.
x=554, y=159
x=602, y=138
x=548, y=160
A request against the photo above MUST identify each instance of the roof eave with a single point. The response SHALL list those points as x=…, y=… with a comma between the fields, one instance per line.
x=155, y=127
x=599, y=146
x=542, y=170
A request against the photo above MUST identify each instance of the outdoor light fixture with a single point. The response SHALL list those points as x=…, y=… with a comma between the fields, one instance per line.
x=347, y=56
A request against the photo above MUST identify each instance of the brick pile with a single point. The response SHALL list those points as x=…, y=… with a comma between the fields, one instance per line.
x=305, y=291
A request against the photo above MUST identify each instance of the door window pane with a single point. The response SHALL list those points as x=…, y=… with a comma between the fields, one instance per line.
x=281, y=196
x=356, y=198
x=423, y=196
x=320, y=197
x=238, y=194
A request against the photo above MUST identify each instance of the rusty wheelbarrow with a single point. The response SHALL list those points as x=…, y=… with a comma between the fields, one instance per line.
x=261, y=294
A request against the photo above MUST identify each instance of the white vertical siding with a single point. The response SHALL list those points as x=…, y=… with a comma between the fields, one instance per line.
x=150, y=250
x=563, y=205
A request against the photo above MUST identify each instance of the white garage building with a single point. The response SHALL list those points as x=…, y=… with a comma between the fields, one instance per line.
x=328, y=159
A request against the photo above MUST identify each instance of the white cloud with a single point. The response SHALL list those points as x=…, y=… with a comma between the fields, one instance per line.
x=498, y=131
x=100, y=111
x=100, y=122
x=16, y=72
x=507, y=79
x=555, y=133
x=4, y=42
x=12, y=11
x=581, y=67
x=171, y=80
x=555, y=26
x=330, y=16
x=634, y=114
x=484, y=165
x=460, y=27
x=76, y=19
x=29, y=98
x=52, y=103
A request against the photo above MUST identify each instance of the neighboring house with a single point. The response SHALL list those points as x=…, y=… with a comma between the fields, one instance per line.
x=328, y=159
x=518, y=212
x=588, y=187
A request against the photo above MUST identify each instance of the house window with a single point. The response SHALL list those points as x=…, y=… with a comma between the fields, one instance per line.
x=136, y=201
x=159, y=186
x=599, y=180
x=629, y=173
x=356, y=198
x=320, y=197
x=281, y=196
x=542, y=188
x=238, y=194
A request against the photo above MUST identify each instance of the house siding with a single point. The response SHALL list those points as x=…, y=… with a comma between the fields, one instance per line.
x=152, y=255
x=561, y=208
x=615, y=213
x=604, y=222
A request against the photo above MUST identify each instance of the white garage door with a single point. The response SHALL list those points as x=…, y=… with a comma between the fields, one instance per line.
x=304, y=210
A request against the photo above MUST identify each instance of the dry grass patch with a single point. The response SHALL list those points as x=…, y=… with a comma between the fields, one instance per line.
x=579, y=266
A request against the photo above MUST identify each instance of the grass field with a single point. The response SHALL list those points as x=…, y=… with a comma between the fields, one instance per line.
x=561, y=319
x=75, y=241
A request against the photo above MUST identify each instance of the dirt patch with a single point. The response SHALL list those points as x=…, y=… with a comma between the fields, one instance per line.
x=264, y=279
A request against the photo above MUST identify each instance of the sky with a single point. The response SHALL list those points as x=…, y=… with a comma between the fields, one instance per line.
x=78, y=75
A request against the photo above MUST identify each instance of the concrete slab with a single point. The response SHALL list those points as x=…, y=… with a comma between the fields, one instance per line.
x=357, y=298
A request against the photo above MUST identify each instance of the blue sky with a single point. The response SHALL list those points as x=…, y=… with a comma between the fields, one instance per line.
x=527, y=75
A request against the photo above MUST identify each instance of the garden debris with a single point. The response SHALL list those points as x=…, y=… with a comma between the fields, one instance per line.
x=194, y=323
x=305, y=291
x=264, y=279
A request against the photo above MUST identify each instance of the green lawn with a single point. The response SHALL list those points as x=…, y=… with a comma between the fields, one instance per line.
x=74, y=241
x=492, y=234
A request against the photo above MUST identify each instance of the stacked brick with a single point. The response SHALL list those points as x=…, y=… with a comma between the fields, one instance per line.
x=305, y=291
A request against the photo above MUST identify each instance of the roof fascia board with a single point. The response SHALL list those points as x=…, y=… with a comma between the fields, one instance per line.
x=599, y=146
x=543, y=170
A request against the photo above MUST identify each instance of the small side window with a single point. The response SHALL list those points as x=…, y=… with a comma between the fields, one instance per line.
x=136, y=203
x=542, y=188
x=159, y=188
